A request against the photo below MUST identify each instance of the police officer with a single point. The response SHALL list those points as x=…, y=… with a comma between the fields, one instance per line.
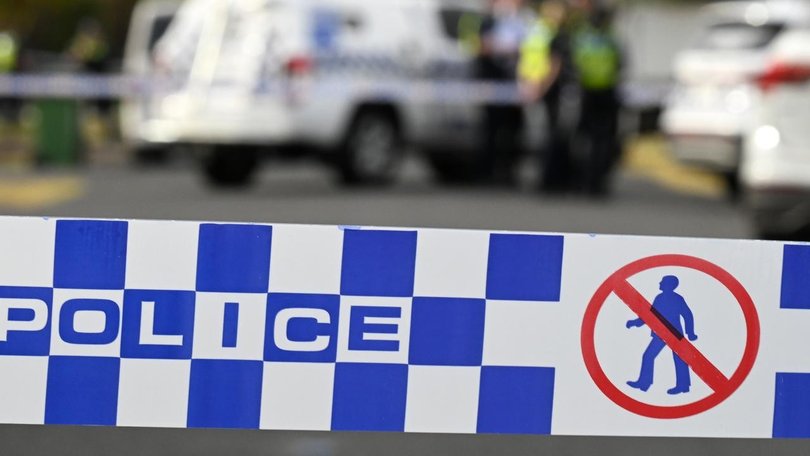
x=89, y=47
x=597, y=59
x=501, y=33
x=542, y=73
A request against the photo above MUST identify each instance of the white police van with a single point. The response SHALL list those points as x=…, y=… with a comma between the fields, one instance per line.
x=346, y=78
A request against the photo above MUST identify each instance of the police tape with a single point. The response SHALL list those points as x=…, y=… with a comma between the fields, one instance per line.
x=83, y=86
x=79, y=86
x=119, y=86
x=216, y=325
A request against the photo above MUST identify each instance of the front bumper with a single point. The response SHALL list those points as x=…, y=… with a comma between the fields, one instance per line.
x=716, y=153
x=227, y=117
x=706, y=136
x=268, y=128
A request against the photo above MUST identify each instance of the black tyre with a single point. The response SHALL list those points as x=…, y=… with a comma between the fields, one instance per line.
x=226, y=166
x=454, y=169
x=372, y=149
x=733, y=186
x=766, y=232
x=765, y=229
x=151, y=156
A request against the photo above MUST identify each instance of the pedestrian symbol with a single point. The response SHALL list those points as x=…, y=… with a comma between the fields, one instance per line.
x=672, y=326
x=670, y=308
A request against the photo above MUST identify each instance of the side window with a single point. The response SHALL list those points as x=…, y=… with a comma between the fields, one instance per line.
x=735, y=36
x=454, y=21
x=327, y=26
x=159, y=27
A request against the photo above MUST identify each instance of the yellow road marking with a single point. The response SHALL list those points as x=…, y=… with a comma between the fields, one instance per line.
x=39, y=193
x=649, y=157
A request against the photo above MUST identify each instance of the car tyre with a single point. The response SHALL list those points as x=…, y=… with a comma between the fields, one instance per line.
x=150, y=156
x=733, y=185
x=225, y=166
x=455, y=170
x=371, y=150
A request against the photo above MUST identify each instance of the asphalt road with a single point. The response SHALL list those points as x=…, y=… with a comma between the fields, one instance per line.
x=303, y=193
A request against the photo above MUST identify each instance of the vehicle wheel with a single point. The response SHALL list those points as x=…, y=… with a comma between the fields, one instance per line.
x=768, y=233
x=372, y=149
x=765, y=230
x=449, y=169
x=230, y=166
x=733, y=186
x=150, y=156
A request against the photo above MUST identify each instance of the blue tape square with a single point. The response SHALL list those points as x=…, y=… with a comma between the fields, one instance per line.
x=378, y=263
x=310, y=320
x=524, y=267
x=90, y=254
x=447, y=332
x=234, y=258
x=225, y=394
x=369, y=397
x=28, y=342
x=791, y=414
x=515, y=400
x=82, y=390
x=795, y=277
x=172, y=316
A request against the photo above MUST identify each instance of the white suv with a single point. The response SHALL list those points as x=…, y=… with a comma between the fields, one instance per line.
x=711, y=109
x=776, y=164
x=341, y=77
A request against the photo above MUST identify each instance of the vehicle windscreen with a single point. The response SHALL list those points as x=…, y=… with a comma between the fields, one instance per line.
x=159, y=27
x=739, y=36
x=451, y=21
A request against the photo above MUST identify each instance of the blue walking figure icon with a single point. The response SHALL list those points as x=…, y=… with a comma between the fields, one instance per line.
x=670, y=307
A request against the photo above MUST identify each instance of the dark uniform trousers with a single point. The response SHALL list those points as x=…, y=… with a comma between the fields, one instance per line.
x=599, y=124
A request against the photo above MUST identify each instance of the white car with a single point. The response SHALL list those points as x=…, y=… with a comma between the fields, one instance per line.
x=711, y=108
x=340, y=77
x=775, y=169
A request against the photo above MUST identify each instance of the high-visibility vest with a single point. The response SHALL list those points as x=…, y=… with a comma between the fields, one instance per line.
x=8, y=53
x=596, y=58
x=535, y=53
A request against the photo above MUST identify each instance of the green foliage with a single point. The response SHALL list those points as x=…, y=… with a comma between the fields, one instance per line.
x=49, y=25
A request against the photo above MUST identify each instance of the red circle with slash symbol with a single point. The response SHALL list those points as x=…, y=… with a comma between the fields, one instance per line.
x=722, y=386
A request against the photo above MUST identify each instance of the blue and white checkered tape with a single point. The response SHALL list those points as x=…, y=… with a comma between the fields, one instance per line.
x=442, y=85
x=210, y=325
x=444, y=88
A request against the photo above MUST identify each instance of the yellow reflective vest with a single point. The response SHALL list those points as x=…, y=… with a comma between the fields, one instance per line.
x=535, y=53
x=596, y=58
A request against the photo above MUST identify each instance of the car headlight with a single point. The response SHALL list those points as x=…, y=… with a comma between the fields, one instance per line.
x=767, y=137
